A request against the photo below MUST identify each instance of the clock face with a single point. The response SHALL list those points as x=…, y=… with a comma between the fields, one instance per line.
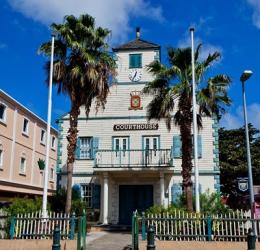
x=135, y=75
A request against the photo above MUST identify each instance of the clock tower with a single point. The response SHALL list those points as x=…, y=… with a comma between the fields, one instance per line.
x=132, y=57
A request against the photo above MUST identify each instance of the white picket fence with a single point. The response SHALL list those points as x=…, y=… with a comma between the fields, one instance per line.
x=201, y=227
x=33, y=226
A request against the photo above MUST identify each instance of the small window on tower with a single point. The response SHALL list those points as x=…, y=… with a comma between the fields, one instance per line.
x=135, y=61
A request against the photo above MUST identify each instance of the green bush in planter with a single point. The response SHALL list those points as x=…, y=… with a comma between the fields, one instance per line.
x=41, y=164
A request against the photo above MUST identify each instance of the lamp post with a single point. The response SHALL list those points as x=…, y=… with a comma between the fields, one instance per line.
x=46, y=168
x=195, y=129
x=244, y=77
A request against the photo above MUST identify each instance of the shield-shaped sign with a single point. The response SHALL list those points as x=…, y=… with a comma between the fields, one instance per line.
x=135, y=102
x=242, y=184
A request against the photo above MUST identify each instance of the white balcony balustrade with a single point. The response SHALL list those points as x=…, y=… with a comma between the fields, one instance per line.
x=133, y=158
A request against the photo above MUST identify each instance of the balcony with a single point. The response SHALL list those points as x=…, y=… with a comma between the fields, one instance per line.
x=133, y=158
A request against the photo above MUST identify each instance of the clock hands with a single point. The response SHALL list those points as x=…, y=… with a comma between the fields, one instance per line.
x=135, y=74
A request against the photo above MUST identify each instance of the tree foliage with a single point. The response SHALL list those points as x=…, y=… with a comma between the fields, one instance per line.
x=233, y=158
x=172, y=89
x=81, y=70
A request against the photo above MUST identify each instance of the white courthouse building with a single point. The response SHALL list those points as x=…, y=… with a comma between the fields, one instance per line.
x=123, y=162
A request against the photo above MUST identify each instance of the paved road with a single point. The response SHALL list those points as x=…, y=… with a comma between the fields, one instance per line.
x=109, y=241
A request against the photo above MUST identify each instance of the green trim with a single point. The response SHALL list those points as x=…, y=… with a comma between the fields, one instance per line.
x=215, y=135
x=59, y=146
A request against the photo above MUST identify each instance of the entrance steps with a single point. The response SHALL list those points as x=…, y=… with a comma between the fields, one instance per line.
x=110, y=228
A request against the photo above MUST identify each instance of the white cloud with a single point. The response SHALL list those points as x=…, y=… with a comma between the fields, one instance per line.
x=112, y=14
x=236, y=119
x=201, y=26
x=256, y=12
x=206, y=49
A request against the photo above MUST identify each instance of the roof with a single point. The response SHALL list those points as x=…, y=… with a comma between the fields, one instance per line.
x=137, y=44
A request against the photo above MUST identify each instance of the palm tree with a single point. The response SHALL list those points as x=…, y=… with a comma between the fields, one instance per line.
x=82, y=69
x=172, y=87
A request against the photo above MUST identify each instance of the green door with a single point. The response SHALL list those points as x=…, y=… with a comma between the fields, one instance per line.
x=131, y=198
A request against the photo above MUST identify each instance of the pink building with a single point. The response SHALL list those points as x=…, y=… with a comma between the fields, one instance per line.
x=22, y=145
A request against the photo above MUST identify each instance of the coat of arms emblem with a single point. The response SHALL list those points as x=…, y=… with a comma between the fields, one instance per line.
x=135, y=100
x=242, y=184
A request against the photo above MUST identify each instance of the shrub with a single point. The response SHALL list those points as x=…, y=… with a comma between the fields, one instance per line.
x=58, y=201
x=24, y=205
x=210, y=203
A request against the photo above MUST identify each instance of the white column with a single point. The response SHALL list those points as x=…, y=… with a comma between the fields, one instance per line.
x=105, y=199
x=162, y=189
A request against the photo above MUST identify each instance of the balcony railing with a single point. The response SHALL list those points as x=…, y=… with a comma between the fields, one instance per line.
x=133, y=158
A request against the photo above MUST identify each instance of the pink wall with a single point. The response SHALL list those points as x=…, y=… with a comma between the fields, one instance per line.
x=16, y=144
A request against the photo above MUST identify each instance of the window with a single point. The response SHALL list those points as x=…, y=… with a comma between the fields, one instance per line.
x=86, y=192
x=1, y=156
x=135, y=61
x=86, y=145
x=53, y=142
x=43, y=136
x=2, y=112
x=52, y=174
x=22, y=165
x=25, y=126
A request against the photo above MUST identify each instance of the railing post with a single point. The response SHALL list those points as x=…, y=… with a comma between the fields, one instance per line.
x=56, y=238
x=143, y=226
x=251, y=238
x=135, y=231
x=150, y=238
x=79, y=233
x=72, y=227
x=209, y=227
x=12, y=227
x=84, y=228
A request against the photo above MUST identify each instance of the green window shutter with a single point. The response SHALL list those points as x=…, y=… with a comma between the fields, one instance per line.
x=96, y=196
x=77, y=152
x=135, y=60
x=177, y=145
x=199, y=141
x=139, y=61
x=176, y=191
x=199, y=146
x=95, y=146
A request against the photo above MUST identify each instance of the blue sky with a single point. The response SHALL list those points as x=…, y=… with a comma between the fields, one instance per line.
x=231, y=27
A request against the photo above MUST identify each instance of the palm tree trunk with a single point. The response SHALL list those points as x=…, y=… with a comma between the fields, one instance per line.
x=72, y=143
x=186, y=136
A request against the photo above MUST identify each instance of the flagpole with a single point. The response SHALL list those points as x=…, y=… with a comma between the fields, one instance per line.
x=195, y=129
x=46, y=168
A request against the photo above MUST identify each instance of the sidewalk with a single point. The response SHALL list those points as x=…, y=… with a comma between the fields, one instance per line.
x=109, y=241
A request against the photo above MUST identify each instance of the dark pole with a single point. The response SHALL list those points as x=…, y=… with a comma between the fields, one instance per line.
x=150, y=238
x=56, y=238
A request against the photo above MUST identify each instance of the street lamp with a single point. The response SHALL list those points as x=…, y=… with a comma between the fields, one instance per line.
x=244, y=77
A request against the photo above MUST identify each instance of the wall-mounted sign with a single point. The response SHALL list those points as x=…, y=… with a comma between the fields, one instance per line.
x=135, y=101
x=242, y=184
x=141, y=126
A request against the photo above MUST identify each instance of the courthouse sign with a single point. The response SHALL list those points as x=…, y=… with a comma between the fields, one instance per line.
x=138, y=126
